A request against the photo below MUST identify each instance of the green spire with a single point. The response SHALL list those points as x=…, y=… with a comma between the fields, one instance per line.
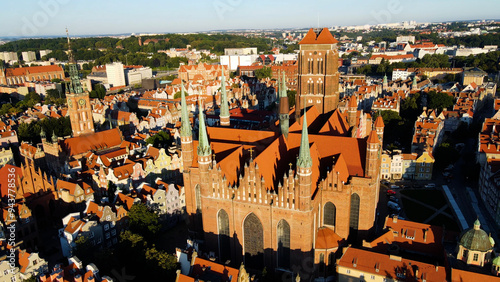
x=224, y=109
x=283, y=87
x=185, y=124
x=385, y=79
x=74, y=86
x=414, y=84
x=203, y=144
x=304, y=153
x=477, y=224
x=42, y=133
x=54, y=136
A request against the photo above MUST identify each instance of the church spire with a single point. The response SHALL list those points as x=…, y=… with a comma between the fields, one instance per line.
x=54, y=137
x=304, y=160
x=284, y=109
x=283, y=93
x=42, y=133
x=75, y=86
x=224, y=109
x=203, y=144
x=185, y=124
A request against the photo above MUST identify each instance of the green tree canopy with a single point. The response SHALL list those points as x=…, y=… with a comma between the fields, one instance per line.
x=159, y=140
x=178, y=94
x=291, y=97
x=439, y=101
x=143, y=221
x=264, y=72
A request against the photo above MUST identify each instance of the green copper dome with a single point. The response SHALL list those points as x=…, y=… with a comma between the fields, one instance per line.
x=476, y=239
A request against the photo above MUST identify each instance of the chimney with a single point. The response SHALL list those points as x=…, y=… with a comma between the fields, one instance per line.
x=395, y=219
x=377, y=267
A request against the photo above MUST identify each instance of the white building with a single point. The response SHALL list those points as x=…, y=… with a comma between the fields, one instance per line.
x=8, y=56
x=240, y=51
x=29, y=56
x=234, y=61
x=44, y=53
x=406, y=39
x=115, y=74
x=136, y=75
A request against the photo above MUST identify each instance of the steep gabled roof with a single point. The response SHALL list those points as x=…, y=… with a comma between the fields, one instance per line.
x=323, y=37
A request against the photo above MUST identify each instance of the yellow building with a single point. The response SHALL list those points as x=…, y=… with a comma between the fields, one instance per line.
x=423, y=166
x=385, y=165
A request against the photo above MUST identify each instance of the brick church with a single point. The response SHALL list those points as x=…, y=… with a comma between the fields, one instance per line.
x=279, y=199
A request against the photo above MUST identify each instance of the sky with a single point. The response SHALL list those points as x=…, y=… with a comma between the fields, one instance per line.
x=32, y=18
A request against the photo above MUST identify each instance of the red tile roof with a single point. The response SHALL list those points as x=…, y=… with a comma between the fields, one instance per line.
x=32, y=70
x=104, y=139
x=323, y=37
x=327, y=239
x=225, y=273
x=390, y=266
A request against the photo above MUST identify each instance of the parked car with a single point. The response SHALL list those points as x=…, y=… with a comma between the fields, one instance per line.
x=417, y=186
x=385, y=182
x=394, y=199
x=394, y=187
x=430, y=185
x=391, y=192
x=393, y=206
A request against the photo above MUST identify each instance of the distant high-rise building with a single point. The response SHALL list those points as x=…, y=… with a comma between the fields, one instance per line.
x=8, y=56
x=29, y=56
x=318, y=71
x=44, y=53
x=136, y=75
x=115, y=74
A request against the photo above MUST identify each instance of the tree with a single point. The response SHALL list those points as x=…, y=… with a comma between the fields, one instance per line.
x=291, y=97
x=143, y=221
x=159, y=140
x=388, y=116
x=178, y=94
x=264, y=72
x=439, y=101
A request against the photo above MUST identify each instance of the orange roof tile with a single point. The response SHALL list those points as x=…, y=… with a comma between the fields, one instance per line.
x=323, y=37
x=327, y=239
x=81, y=144
x=225, y=273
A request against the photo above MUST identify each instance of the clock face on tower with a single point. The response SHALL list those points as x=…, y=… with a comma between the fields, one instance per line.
x=81, y=102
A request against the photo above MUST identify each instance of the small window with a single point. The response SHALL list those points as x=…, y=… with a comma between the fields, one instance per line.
x=476, y=257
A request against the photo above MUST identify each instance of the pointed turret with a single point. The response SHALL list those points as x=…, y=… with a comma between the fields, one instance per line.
x=304, y=160
x=352, y=111
x=284, y=108
x=185, y=124
x=224, y=108
x=42, y=134
x=379, y=128
x=372, y=155
x=414, y=83
x=186, y=134
x=54, y=137
x=304, y=170
x=203, y=144
x=384, y=82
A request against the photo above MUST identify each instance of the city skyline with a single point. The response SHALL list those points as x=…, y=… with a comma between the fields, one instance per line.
x=50, y=17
